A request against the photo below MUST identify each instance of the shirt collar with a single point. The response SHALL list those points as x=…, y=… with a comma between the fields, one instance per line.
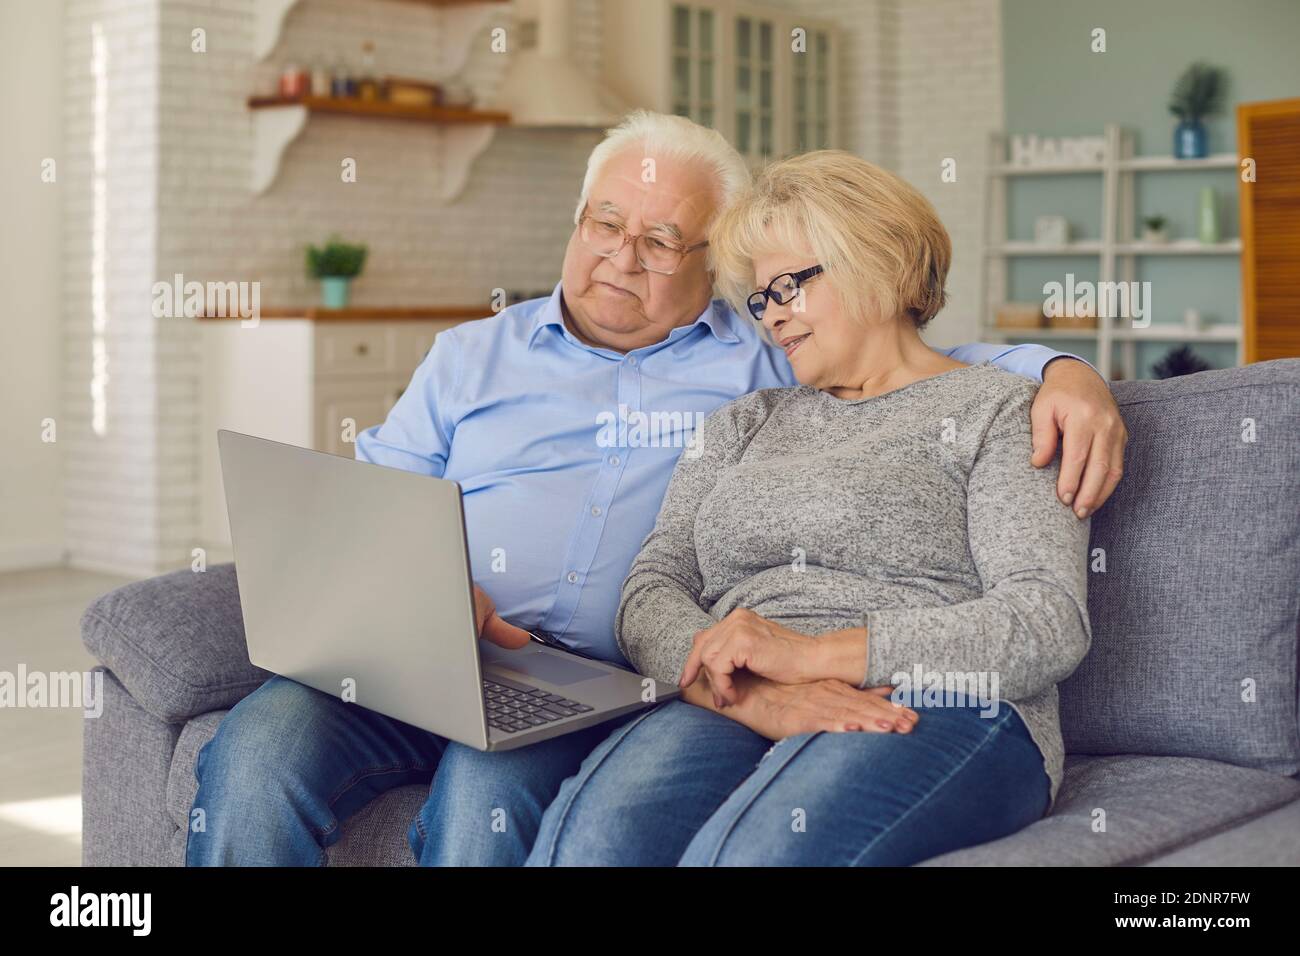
x=717, y=317
x=549, y=314
x=720, y=318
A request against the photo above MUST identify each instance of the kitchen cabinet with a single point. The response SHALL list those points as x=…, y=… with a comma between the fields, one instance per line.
x=304, y=381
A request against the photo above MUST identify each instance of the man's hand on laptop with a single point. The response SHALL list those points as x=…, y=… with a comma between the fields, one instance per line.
x=490, y=625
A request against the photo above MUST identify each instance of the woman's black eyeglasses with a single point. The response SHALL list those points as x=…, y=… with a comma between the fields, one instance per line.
x=780, y=290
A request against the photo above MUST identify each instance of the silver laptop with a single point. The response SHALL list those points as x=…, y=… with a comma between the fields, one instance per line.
x=355, y=580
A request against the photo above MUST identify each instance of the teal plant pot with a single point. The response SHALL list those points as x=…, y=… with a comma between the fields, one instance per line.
x=1190, y=140
x=334, y=291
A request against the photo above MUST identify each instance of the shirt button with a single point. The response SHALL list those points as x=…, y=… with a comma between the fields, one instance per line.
x=631, y=360
x=595, y=511
x=613, y=460
x=572, y=577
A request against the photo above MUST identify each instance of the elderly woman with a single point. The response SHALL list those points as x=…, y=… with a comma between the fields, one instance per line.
x=864, y=569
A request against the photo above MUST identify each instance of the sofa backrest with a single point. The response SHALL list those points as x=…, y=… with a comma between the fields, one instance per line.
x=1194, y=584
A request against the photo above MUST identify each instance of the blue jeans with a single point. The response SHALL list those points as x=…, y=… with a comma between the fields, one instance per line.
x=289, y=764
x=684, y=785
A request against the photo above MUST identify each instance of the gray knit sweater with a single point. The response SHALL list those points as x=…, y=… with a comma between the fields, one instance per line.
x=915, y=513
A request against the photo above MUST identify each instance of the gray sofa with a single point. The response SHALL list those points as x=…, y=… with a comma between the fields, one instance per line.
x=1182, y=724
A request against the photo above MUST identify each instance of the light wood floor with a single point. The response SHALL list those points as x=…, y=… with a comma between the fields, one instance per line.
x=40, y=748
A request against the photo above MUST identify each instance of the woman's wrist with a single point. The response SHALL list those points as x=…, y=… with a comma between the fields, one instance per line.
x=842, y=655
x=700, y=694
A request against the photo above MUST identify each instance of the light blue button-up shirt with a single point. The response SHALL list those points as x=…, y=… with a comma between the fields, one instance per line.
x=563, y=450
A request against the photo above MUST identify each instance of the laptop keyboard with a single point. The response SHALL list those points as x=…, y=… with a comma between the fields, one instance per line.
x=517, y=707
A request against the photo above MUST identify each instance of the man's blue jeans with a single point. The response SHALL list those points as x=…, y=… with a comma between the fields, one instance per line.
x=684, y=785
x=289, y=764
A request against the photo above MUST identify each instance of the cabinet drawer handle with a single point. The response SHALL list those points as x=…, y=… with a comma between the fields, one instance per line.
x=363, y=348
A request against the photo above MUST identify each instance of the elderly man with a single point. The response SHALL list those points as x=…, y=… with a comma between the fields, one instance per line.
x=518, y=409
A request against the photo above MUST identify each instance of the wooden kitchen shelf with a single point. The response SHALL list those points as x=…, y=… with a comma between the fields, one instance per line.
x=415, y=313
x=380, y=109
x=459, y=135
x=456, y=136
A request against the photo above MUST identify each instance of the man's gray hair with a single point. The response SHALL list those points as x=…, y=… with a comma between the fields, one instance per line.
x=660, y=134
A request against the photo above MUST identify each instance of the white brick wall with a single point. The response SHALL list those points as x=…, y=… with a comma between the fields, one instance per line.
x=178, y=167
x=502, y=231
x=949, y=99
x=109, y=173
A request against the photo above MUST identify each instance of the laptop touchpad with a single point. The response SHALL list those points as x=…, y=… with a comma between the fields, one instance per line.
x=527, y=661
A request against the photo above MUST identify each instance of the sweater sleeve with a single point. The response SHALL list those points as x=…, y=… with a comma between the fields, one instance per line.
x=659, y=612
x=1030, y=627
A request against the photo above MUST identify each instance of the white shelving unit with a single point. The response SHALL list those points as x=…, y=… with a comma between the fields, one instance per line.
x=1117, y=250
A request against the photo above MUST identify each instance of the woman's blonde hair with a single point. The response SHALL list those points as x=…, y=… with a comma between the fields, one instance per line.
x=879, y=239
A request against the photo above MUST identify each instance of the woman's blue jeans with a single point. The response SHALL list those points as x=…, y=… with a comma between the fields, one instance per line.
x=684, y=785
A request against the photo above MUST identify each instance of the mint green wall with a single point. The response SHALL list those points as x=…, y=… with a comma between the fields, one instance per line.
x=1056, y=86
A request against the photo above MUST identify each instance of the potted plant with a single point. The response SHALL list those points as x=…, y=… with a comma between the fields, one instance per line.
x=336, y=264
x=1179, y=361
x=1153, y=229
x=1197, y=94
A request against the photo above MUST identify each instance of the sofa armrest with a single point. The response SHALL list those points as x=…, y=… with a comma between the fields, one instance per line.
x=175, y=642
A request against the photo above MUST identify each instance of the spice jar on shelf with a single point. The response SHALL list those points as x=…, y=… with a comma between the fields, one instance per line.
x=320, y=78
x=340, y=82
x=367, y=84
x=294, y=82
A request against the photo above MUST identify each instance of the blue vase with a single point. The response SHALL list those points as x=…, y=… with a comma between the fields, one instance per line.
x=1190, y=141
x=334, y=291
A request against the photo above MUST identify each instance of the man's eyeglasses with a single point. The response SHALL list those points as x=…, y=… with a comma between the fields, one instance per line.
x=655, y=253
x=780, y=290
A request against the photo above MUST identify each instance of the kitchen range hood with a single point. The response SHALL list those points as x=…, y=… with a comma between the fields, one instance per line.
x=544, y=88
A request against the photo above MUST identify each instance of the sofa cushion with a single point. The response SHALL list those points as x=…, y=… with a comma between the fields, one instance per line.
x=376, y=834
x=176, y=642
x=1272, y=839
x=1150, y=806
x=1194, y=620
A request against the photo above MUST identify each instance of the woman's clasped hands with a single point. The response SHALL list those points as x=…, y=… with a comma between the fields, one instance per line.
x=779, y=682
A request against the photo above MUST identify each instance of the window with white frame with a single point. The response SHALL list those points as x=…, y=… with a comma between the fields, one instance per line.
x=810, y=112
x=777, y=94
x=694, y=63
